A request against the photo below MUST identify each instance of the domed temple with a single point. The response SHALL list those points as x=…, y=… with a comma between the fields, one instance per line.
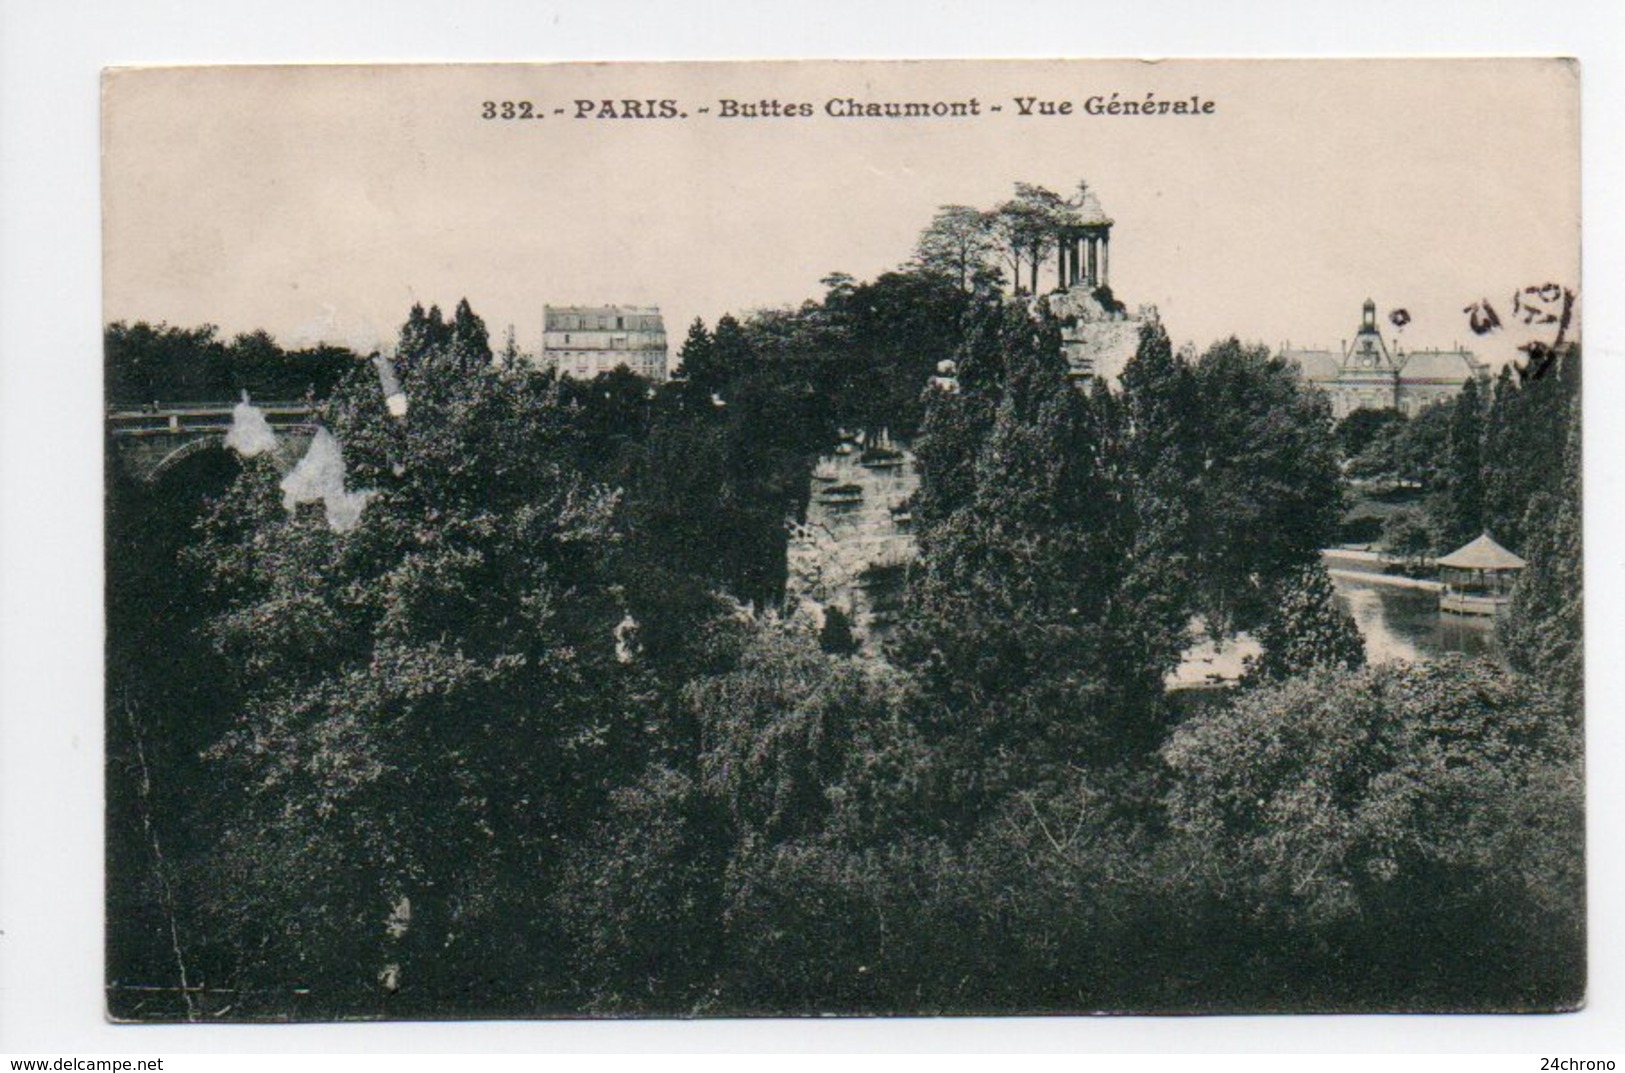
x=1098, y=335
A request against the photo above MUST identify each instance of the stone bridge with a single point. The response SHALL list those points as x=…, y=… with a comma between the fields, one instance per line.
x=149, y=441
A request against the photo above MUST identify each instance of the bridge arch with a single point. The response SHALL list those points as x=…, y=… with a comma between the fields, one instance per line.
x=150, y=443
x=291, y=444
x=180, y=454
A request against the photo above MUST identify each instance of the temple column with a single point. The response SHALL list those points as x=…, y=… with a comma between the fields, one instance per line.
x=1094, y=266
x=1105, y=259
x=1060, y=262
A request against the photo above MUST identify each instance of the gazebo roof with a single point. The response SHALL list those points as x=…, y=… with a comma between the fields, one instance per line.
x=1482, y=554
x=1089, y=213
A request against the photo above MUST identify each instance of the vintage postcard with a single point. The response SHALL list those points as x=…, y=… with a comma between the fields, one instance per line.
x=866, y=538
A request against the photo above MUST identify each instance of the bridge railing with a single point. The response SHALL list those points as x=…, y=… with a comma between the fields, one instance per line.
x=199, y=416
x=123, y=409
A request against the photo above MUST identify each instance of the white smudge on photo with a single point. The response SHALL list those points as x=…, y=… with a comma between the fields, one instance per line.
x=320, y=476
x=250, y=433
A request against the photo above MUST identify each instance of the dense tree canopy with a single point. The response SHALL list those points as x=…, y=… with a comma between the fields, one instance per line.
x=1525, y=434
x=1543, y=632
x=1473, y=463
x=1021, y=551
x=1365, y=426
x=513, y=706
x=453, y=650
x=147, y=363
x=1408, y=452
x=1437, y=807
x=1269, y=496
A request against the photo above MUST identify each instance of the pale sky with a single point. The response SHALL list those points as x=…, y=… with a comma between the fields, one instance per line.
x=320, y=202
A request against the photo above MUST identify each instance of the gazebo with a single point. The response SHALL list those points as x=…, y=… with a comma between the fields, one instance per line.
x=1083, y=243
x=1478, y=577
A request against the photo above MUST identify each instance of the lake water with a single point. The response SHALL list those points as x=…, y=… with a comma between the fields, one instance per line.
x=1398, y=624
x=1405, y=624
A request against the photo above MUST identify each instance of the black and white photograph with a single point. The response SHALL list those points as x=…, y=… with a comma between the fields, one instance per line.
x=777, y=539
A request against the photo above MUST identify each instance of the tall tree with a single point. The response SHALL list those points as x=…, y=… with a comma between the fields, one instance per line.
x=257, y=362
x=1163, y=463
x=1523, y=441
x=1305, y=630
x=956, y=423
x=881, y=342
x=1023, y=227
x=423, y=335
x=731, y=354
x=1459, y=511
x=697, y=359
x=510, y=351
x=1543, y=631
x=957, y=244
x=1044, y=212
x=470, y=342
x=1011, y=608
x=1271, y=491
x=1409, y=453
x=1408, y=536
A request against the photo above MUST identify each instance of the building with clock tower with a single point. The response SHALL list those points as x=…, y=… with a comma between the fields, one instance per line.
x=1369, y=376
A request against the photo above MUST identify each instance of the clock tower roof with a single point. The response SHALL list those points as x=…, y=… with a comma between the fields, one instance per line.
x=1369, y=351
